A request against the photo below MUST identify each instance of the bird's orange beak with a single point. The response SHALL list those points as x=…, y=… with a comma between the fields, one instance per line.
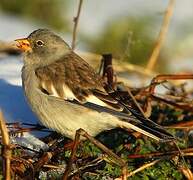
x=23, y=44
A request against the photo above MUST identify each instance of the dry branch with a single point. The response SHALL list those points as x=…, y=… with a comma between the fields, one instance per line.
x=187, y=172
x=43, y=160
x=143, y=167
x=161, y=37
x=9, y=48
x=6, y=148
x=186, y=152
x=76, y=20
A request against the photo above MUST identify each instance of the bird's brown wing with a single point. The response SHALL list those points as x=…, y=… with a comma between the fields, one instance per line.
x=71, y=78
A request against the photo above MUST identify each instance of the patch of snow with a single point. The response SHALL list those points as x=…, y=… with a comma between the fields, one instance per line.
x=30, y=141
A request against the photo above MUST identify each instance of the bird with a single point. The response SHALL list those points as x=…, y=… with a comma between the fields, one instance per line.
x=66, y=93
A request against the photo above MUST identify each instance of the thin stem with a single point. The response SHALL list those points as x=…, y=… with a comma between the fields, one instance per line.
x=161, y=37
x=6, y=148
x=76, y=20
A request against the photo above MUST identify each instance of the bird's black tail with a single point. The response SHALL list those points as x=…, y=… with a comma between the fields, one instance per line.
x=149, y=127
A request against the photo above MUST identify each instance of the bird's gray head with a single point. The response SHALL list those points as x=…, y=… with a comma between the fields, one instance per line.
x=43, y=45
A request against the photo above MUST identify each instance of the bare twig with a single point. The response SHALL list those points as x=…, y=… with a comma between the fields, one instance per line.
x=91, y=164
x=136, y=103
x=76, y=20
x=141, y=168
x=187, y=172
x=6, y=148
x=184, y=106
x=163, y=77
x=52, y=166
x=108, y=71
x=186, y=125
x=9, y=48
x=186, y=152
x=43, y=160
x=161, y=37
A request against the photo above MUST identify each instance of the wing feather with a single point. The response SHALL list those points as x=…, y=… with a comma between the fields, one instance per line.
x=71, y=78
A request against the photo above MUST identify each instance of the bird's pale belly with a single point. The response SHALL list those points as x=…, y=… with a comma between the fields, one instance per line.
x=67, y=122
x=66, y=118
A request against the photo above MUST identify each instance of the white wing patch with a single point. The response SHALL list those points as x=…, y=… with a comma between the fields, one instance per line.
x=68, y=94
x=54, y=92
x=93, y=99
x=43, y=85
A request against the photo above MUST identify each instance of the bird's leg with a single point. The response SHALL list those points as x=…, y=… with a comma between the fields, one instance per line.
x=116, y=158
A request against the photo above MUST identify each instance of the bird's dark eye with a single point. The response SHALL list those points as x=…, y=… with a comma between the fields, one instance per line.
x=39, y=43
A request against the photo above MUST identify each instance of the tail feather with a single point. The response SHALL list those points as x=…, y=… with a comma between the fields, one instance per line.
x=148, y=128
x=151, y=127
x=128, y=125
